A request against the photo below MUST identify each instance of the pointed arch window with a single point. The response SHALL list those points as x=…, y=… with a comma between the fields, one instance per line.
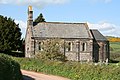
x=40, y=46
x=69, y=46
x=83, y=46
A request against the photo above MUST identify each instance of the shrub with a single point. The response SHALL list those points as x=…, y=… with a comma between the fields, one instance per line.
x=9, y=69
x=51, y=50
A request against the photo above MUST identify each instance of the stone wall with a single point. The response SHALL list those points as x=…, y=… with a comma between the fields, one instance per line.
x=78, y=57
x=75, y=53
x=101, y=51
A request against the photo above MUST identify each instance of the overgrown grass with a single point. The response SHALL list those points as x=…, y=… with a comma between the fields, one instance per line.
x=75, y=70
x=72, y=70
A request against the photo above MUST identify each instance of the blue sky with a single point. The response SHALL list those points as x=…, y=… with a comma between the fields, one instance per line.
x=103, y=15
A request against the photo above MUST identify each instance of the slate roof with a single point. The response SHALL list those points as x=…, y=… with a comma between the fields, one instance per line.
x=61, y=30
x=97, y=35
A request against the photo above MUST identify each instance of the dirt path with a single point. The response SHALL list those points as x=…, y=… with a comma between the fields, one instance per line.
x=29, y=75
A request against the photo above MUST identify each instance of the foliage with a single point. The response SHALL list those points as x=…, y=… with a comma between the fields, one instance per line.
x=9, y=69
x=40, y=18
x=51, y=50
x=10, y=34
x=22, y=45
x=114, y=39
x=72, y=70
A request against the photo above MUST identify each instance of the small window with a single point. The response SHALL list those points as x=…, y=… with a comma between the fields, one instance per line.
x=40, y=46
x=69, y=46
x=83, y=46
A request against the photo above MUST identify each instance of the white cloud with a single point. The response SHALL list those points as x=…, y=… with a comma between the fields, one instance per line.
x=36, y=3
x=23, y=26
x=108, y=29
x=21, y=23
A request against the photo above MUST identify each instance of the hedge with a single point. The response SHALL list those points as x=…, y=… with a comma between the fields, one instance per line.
x=9, y=69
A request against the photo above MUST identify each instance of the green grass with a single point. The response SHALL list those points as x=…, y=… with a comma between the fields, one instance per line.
x=115, y=47
x=115, y=51
x=72, y=70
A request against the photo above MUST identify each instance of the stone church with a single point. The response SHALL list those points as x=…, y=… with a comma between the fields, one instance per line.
x=84, y=44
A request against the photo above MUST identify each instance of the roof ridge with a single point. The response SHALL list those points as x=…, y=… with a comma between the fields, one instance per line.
x=63, y=22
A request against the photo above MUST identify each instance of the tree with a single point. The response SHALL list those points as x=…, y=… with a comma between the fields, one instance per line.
x=51, y=49
x=40, y=18
x=10, y=35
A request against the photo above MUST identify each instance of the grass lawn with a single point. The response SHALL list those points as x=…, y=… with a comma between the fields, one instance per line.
x=115, y=47
x=115, y=51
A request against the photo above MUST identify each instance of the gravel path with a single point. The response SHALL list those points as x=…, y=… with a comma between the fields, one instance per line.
x=29, y=75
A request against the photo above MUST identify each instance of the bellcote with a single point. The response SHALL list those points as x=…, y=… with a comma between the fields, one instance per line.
x=30, y=8
x=30, y=13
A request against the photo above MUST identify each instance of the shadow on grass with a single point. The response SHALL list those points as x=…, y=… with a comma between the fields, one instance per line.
x=27, y=78
x=15, y=54
x=114, y=61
